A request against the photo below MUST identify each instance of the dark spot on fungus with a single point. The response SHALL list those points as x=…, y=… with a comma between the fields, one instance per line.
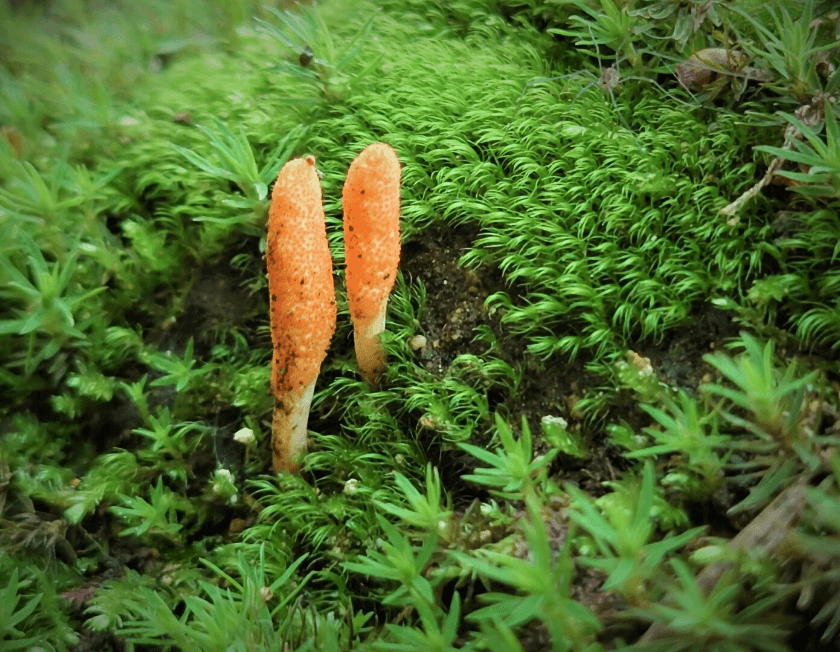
x=359, y=256
x=363, y=192
x=273, y=298
x=350, y=228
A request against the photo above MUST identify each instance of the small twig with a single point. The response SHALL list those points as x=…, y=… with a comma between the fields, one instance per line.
x=810, y=115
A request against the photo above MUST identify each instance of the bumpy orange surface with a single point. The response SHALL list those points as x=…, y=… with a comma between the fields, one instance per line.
x=371, y=200
x=300, y=280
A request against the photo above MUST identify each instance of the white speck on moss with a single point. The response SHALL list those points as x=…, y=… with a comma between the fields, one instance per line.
x=224, y=486
x=559, y=421
x=351, y=486
x=244, y=436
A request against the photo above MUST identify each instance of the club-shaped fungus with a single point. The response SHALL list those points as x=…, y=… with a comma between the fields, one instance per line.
x=303, y=310
x=371, y=201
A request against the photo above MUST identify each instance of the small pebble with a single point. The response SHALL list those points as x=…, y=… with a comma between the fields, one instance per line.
x=417, y=342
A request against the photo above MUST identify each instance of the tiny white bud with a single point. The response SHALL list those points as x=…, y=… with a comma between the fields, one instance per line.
x=244, y=436
x=351, y=486
x=224, y=486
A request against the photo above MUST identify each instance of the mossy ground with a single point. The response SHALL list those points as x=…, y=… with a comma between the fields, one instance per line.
x=552, y=230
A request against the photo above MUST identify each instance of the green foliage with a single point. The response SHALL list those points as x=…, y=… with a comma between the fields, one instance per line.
x=624, y=495
x=610, y=24
x=398, y=561
x=758, y=428
x=820, y=325
x=513, y=471
x=48, y=626
x=33, y=199
x=788, y=46
x=621, y=542
x=152, y=246
x=168, y=438
x=773, y=401
x=684, y=431
x=458, y=405
x=425, y=512
x=436, y=636
x=699, y=622
x=319, y=60
x=233, y=159
x=176, y=371
x=594, y=246
x=543, y=581
x=107, y=608
x=112, y=475
x=556, y=433
x=50, y=303
x=821, y=542
x=325, y=521
x=157, y=518
x=687, y=18
x=250, y=613
x=821, y=157
x=11, y=616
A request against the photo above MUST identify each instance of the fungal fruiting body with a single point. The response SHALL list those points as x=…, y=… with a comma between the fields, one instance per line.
x=303, y=309
x=371, y=201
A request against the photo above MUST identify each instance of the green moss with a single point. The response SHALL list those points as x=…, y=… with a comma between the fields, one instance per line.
x=149, y=135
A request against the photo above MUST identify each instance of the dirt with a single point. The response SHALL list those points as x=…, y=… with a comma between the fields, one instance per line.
x=455, y=296
x=455, y=308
